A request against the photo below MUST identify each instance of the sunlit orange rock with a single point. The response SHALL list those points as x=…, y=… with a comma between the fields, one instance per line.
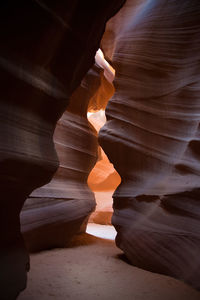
x=103, y=179
x=54, y=213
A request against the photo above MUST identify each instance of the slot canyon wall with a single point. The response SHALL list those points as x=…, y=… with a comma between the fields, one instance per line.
x=46, y=49
x=103, y=179
x=54, y=213
x=152, y=134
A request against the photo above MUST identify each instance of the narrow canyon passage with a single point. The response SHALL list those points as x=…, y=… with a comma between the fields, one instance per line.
x=103, y=179
x=64, y=66
x=92, y=267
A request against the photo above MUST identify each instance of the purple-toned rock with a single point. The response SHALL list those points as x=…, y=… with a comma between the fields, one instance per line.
x=46, y=49
x=54, y=213
x=60, y=209
x=152, y=135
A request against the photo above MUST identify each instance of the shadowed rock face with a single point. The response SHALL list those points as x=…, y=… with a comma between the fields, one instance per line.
x=152, y=136
x=58, y=210
x=46, y=49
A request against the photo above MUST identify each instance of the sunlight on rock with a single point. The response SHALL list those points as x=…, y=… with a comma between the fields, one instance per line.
x=102, y=231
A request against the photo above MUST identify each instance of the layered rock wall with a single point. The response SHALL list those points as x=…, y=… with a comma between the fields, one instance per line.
x=46, y=49
x=103, y=179
x=58, y=210
x=152, y=136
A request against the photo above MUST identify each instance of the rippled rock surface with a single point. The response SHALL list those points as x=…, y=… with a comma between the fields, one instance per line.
x=60, y=209
x=152, y=135
x=46, y=49
x=57, y=211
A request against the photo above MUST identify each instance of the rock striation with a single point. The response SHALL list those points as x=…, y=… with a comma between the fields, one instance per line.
x=152, y=135
x=46, y=49
x=55, y=212
x=103, y=179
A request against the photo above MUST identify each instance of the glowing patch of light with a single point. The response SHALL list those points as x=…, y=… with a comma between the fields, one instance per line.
x=100, y=113
x=89, y=114
x=109, y=72
x=101, y=231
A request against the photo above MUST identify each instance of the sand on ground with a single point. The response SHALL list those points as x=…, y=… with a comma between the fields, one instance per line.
x=92, y=268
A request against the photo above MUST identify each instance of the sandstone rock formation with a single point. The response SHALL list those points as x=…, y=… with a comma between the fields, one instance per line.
x=46, y=49
x=103, y=179
x=60, y=209
x=56, y=211
x=152, y=135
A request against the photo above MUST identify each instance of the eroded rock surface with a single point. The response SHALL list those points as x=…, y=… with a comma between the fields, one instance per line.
x=46, y=49
x=152, y=136
x=103, y=179
x=58, y=210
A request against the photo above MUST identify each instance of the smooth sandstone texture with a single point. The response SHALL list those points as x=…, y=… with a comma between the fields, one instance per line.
x=152, y=136
x=60, y=209
x=46, y=49
x=103, y=179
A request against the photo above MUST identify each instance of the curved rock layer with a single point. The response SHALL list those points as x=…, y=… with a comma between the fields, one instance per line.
x=103, y=179
x=46, y=49
x=152, y=136
x=58, y=210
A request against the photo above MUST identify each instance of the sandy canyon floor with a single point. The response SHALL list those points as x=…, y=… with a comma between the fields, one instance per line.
x=93, y=268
